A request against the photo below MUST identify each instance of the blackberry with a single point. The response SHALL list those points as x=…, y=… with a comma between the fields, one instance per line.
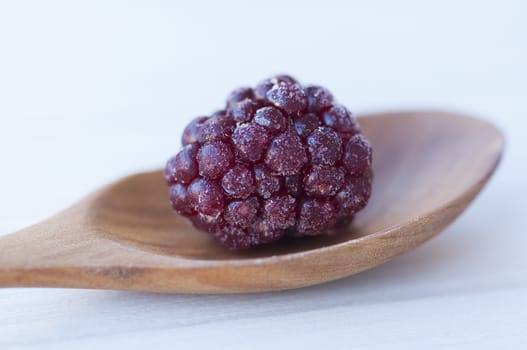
x=289, y=97
x=323, y=181
x=243, y=111
x=315, y=216
x=250, y=141
x=238, y=182
x=325, y=146
x=318, y=98
x=287, y=154
x=239, y=95
x=279, y=159
x=179, y=199
x=280, y=211
x=214, y=159
x=205, y=197
x=266, y=183
x=218, y=128
x=341, y=120
x=190, y=135
x=242, y=213
x=305, y=124
x=271, y=118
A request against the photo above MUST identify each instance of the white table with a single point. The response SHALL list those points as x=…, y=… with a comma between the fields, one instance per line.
x=93, y=92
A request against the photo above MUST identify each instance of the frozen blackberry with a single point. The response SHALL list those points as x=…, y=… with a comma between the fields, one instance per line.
x=354, y=195
x=325, y=146
x=323, y=181
x=239, y=95
x=238, y=182
x=271, y=118
x=260, y=91
x=358, y=155
x=242, y=213
x=289, y=97
x=183, y=167
x=279, y=158
x=250, y=141
x=190, y=135
x=341, y=120
x=305, y=124
x=214, y=159
x=218, y=128
x=207, y=223
x=205, y=197
x=179, y=199
x=318, y=98
x=280, y=211
x=287, y=154
x=315, y=216
x=266, y=183
x=243, y=111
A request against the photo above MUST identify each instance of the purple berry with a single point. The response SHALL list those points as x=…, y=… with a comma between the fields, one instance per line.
x=207, y=223
x=354, y=195
x=315, y=216
x=238, y=182
x=170, y=171
x=260, y=92
x=318, y=98
x=185, y=167
x=243, y=111
x=286, y=154
x=341, y=120
x=205, y=196
x=251, y=141
x=233, y=237
x=263, y=232
x=325, y=146
x=217, y=128
x=242, y=213
x=214, y=159
x=266, y=183
x=179, y=200
x=305, y=124
x=323, y=181
x=280, y=211
x=358, y=156
x=271, y=118
x=239, y=95
x=279, y=159
x=289, y=97
x=190, y=135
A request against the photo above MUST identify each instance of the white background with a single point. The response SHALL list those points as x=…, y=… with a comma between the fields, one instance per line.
x=91, y=91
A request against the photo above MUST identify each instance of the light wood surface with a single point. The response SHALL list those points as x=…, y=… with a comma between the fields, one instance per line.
x=428, y=167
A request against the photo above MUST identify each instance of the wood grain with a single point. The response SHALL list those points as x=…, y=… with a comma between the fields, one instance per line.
x=428, y=167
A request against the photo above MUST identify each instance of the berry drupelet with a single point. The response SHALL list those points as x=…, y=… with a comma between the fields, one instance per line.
x=280, y=159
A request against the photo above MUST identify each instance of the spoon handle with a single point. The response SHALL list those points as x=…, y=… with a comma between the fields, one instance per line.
x=40, y=255
x=19, y=262
x=33, y=258
x=67, y=252
x=60, y=252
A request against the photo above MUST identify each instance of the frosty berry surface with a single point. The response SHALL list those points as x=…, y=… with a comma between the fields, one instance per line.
x=280, y=159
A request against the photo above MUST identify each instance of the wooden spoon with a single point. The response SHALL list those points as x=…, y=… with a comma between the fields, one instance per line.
x=428, y=167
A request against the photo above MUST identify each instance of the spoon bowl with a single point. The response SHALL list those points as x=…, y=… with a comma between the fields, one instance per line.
x=428, y=167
